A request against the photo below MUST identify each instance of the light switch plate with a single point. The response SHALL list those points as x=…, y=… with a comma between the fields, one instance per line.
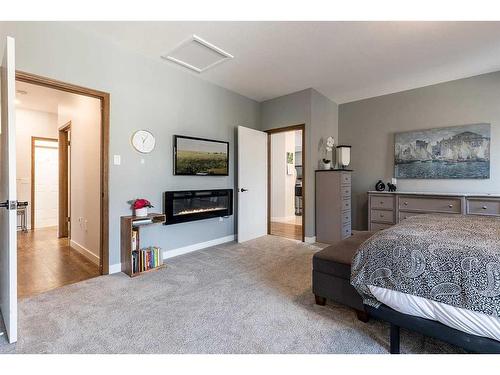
x=117, y=159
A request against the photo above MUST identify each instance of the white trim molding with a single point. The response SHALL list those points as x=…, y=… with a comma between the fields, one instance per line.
x=84, y=251
x=310, y=239
x=197, y=246
x=115, y=268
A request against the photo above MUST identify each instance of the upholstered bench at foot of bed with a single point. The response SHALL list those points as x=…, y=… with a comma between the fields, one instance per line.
x=332, y=274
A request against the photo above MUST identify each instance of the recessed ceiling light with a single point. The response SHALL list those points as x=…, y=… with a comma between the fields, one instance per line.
x=17, y=101
x=197, y=54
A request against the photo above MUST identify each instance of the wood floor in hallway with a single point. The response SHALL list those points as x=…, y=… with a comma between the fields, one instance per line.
x=293, y=231
x=45, y=262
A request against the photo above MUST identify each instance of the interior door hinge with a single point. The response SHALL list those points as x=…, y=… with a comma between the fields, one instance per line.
x=68, y=219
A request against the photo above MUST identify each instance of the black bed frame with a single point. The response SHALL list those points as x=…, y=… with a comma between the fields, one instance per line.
x=431, y=328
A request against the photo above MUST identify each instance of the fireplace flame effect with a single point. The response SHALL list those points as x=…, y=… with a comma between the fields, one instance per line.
x=198, y=210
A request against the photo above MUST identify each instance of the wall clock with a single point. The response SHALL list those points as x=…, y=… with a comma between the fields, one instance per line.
x=143, y=141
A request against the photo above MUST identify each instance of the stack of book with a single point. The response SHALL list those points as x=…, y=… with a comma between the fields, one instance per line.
x=146, y=259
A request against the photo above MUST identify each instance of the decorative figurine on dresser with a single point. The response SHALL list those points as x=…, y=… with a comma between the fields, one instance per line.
x=333, y=205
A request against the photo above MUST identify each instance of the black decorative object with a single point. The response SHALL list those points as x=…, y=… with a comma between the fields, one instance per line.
x=380, y=186
x=391, y=187
x=191, y=205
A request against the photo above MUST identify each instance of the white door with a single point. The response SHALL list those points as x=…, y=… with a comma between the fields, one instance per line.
x=252, y=184
x=46, y=183
x=8, y=209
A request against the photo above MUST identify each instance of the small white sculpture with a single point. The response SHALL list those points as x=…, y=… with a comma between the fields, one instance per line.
x=329, y=146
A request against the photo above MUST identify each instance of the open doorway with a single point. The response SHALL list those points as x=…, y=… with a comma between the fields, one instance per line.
x=286, y=183
x=60, y=175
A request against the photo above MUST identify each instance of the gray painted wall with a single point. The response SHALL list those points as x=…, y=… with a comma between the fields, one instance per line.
x=369, y=126
x=145, y=93
x=320, y=116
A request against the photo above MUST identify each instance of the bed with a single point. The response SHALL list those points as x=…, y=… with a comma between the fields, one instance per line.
x=439, y=269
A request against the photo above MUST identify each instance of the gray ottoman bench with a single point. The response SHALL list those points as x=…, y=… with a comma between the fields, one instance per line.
x=332, y=274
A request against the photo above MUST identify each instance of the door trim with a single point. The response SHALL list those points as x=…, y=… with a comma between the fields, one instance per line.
x=104, y=97
x=283, y=130
x=33, y=146
x=64, y=181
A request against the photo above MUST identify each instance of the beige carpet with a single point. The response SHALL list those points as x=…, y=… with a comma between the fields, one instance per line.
x=232, y=298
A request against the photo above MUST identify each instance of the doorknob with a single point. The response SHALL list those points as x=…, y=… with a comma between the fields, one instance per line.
x=9, y=205
x=243, y=190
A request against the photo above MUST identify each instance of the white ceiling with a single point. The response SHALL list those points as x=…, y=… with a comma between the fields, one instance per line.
x=345, y=61
x=40, y=98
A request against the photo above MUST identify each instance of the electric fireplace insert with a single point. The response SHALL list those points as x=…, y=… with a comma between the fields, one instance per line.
x=191, y=205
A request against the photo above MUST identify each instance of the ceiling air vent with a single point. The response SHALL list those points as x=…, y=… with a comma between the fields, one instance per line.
x=197, y=54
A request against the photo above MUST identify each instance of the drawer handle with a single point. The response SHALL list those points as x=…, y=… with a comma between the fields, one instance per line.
x=450, y=205
x=381, y=202
x=405, y=203
x=485, y=207
x=381, y=215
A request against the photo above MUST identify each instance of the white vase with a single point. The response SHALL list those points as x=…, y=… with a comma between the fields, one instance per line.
x=327, y=165
x=141, y=212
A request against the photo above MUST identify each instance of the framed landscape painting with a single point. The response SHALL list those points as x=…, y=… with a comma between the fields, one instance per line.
x=458, y=152
x=200, y=157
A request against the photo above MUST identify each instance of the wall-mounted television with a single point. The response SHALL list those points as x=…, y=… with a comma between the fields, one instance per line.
x=200, y=157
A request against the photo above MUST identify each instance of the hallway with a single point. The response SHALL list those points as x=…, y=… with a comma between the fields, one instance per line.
x=45, y=262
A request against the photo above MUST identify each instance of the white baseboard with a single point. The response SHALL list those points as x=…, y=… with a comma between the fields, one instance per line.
x=197, y=246
x=310, y=239
x=115, y=268
x=281, y=219
x=84, y=251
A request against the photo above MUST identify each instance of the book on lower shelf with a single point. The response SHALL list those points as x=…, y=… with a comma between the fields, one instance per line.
x=146, y=259
x=135, y=239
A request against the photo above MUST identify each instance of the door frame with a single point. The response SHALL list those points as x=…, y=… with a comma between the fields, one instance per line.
x=270, y=132
x=33, y=147
x=104, y=97
x=64, y=209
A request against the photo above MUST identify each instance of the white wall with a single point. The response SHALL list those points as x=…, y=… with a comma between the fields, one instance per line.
x=282, y=184
x=84, y=114
x=145, y=93
x=30, y=123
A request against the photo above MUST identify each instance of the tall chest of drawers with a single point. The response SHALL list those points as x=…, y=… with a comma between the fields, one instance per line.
x=386, y=208
x=333, y=205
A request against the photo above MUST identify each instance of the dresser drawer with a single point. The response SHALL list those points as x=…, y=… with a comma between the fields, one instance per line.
x=346, y=217
x=345, y=178
x=451, y=205
x=346, y=204
x=483, y=207
x=405, y=215
x=346, y=231
x=380, y=201
x=345, y=191
x=379, y=226
x=383, y=216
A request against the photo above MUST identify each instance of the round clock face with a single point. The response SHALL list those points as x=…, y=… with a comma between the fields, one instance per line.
x=143, y=141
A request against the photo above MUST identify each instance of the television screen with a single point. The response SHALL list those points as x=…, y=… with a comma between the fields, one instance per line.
x=200, y=157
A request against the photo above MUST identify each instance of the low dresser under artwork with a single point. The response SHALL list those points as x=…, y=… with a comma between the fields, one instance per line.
x=458, y=152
